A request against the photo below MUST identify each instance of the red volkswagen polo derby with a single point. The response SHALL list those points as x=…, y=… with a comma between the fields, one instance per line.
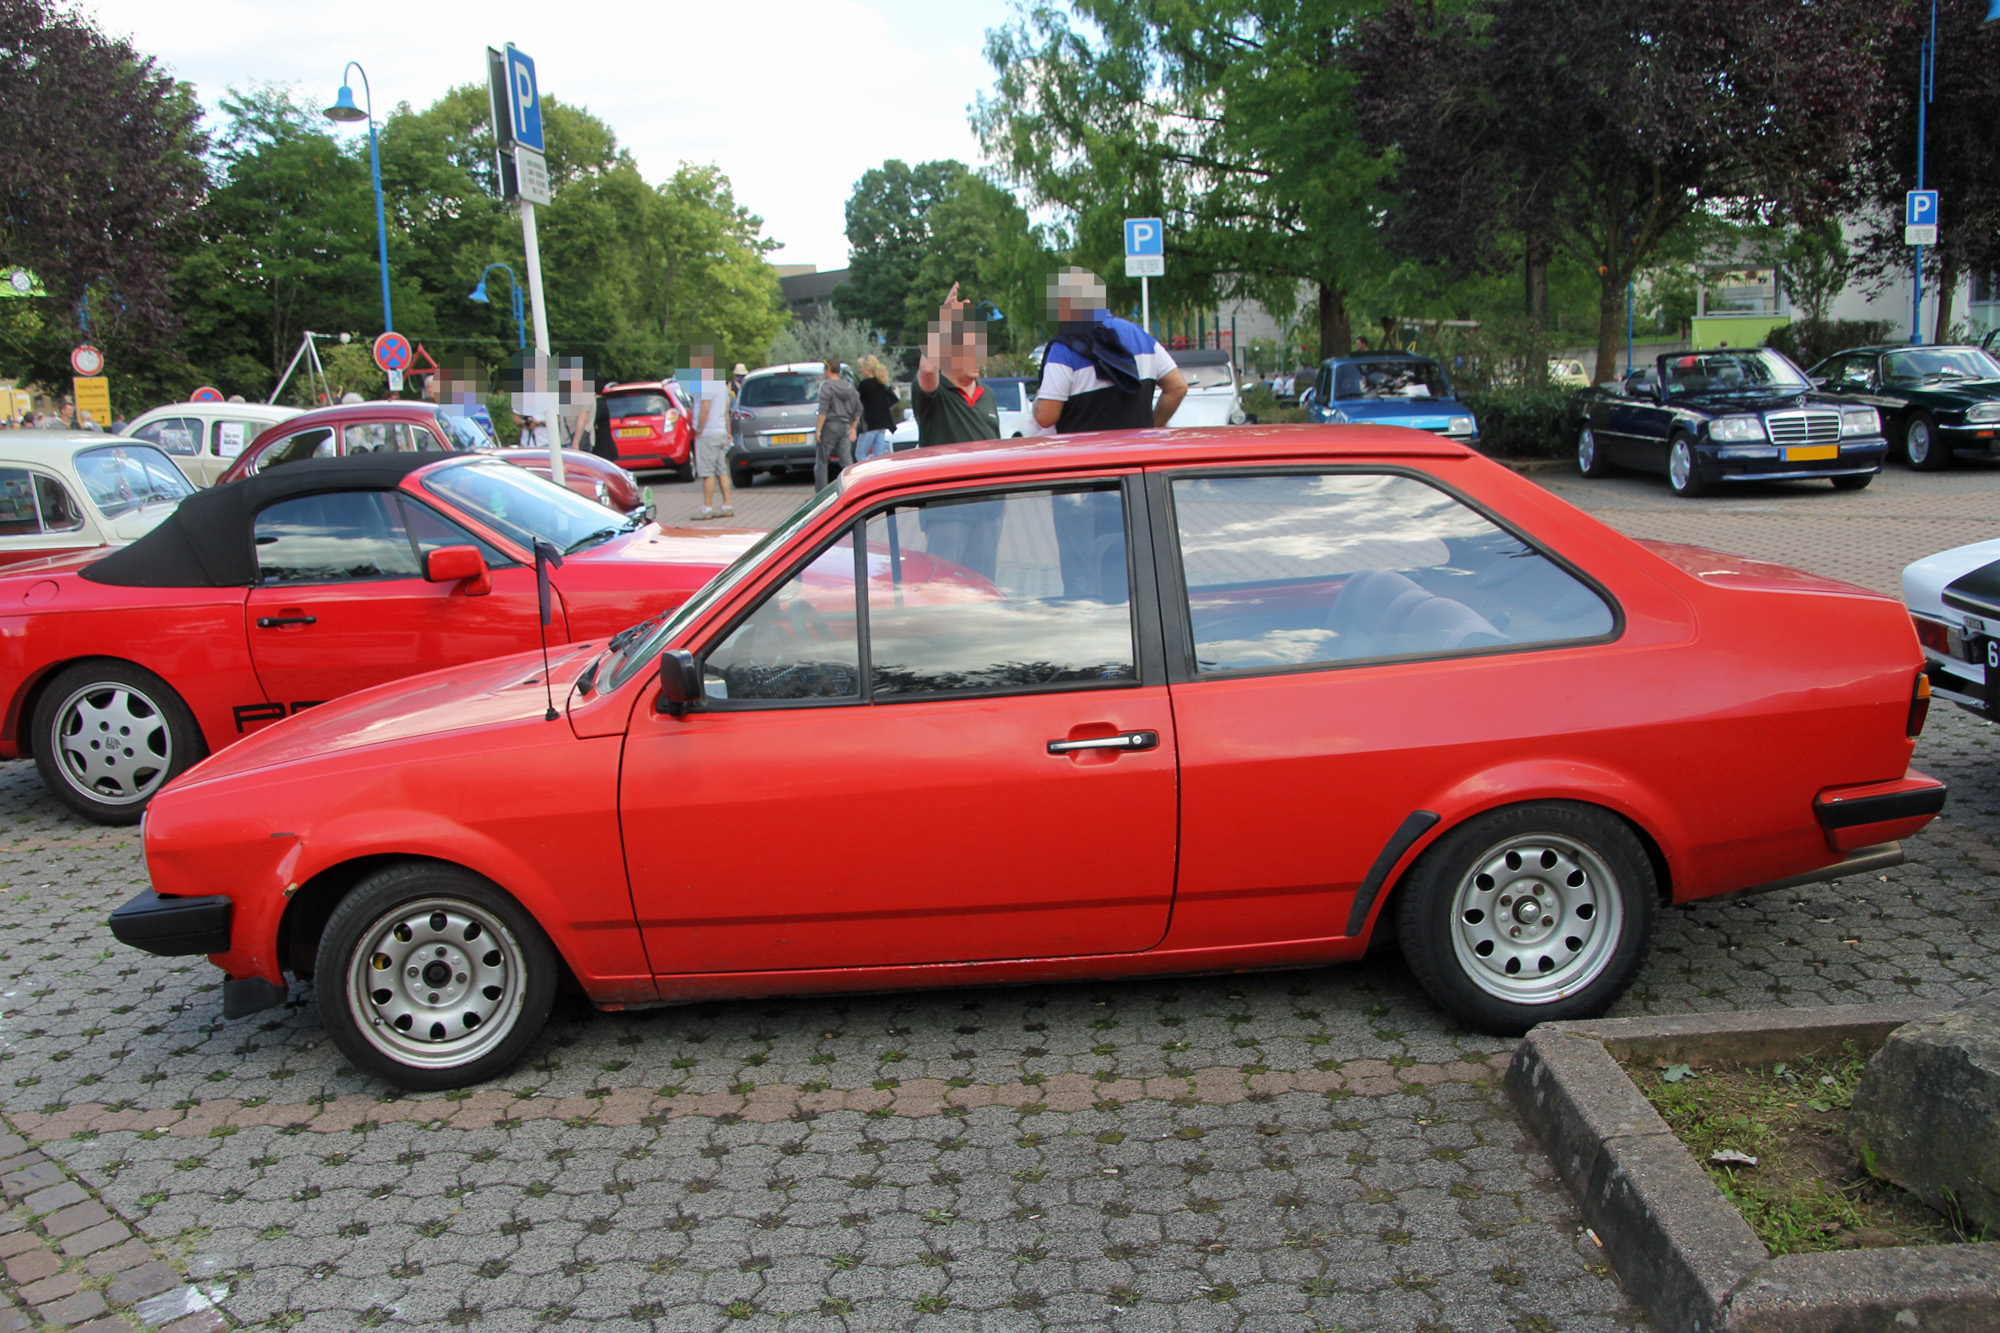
x=1124, y=704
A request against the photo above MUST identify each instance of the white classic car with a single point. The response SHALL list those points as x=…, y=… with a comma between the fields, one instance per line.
x=204, y=438
x=72, y=490
x=1954, y=601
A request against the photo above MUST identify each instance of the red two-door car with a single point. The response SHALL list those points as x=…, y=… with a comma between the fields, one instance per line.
x=260, y=598
x=1133, y=703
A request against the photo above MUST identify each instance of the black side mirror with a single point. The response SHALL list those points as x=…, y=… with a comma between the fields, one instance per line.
x=680, y=682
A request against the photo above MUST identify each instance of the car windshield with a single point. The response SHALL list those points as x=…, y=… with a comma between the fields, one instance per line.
x=124, y=478
x=636, y=404
x=634, y=648
x=790, y=388
x=1390, y=379
x=1211, y=376
x=1753, y=370
x=523, y=506
x=465, y=432
x=1930, y=364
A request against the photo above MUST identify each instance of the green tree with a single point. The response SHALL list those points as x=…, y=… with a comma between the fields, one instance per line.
x=888, y=237
x=982, y=239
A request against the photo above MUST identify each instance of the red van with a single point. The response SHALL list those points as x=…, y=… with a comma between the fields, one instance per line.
x=652, y=426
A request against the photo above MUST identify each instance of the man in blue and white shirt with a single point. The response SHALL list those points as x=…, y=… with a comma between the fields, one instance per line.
x=1100, y=372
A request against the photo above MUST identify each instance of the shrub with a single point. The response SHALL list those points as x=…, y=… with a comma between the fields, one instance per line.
x=1262, y=404
x=1523, y=422
x=1809, y=342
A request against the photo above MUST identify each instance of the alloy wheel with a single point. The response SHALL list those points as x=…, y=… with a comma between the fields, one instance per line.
x=113, y=743
x=1537, y=918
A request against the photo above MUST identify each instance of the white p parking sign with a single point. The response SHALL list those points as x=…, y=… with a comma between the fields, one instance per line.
x=1920, y=217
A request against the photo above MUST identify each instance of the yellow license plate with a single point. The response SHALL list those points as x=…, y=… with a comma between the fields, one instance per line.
x=632, y=432
x=802, y=437
x=1811, y=453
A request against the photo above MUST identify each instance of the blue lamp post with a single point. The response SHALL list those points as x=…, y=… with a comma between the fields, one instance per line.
x=514, y=285
x=344, y=110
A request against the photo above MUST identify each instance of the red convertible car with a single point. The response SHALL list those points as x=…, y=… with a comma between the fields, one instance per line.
x=1150, y=702
x=255, y=600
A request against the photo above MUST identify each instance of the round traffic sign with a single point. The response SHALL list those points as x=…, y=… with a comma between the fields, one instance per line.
x=392, y=351
x=86, y=360
x=207, y=393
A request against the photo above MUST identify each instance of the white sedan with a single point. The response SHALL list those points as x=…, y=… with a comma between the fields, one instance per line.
x=1954, y=600
x=69, y=490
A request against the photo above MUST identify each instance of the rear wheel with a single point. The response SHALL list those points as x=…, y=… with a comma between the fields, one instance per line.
x=108, y=735
x=742, y=477
x=1682, y=472
x=1590, y=458
x=1921, y=446
x=1528, y=914
x=430, y=977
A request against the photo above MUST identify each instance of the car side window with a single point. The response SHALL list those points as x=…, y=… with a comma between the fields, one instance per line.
x=60, y=511
x=314, y=443
x=227, y=438
x=18, y=516
x=432, y=530
x=334, y=538
x=1026, y=590
x=1298, y=569
x=800, y=642
x=176, y=435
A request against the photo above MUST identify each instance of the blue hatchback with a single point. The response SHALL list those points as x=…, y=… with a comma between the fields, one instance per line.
x=1390, y=389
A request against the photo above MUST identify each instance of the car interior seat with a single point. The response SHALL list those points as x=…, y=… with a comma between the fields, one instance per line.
x=1379, y=613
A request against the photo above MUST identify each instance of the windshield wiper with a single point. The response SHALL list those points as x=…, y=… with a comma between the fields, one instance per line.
x=623, y=637
x=601, y=535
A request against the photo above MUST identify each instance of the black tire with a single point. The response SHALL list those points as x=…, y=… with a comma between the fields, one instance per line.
x=108, y=735
x=1922, y=448
x=685, y=472
x=741, y=477
x=1577, y=941
x=1859, y=483
x=1589, y=455
x=378, y=1004
x=1684, y=479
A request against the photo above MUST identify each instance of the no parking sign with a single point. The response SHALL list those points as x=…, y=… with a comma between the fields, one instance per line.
x=392, y=353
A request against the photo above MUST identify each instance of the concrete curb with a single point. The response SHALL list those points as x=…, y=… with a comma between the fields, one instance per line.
x=1686, y=1255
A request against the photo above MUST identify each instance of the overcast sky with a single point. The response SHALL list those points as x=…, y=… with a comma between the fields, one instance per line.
x=794, y=99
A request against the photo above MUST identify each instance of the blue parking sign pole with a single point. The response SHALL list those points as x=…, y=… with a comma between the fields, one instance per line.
x=1926, y=85
x=1145, y=240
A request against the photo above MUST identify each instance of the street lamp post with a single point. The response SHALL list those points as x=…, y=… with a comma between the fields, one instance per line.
x=344, y=110
x=514, y=285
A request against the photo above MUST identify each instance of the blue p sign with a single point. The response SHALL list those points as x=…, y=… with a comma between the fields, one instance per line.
x=1145, y=236
x=524, y=100
x=1920, y=208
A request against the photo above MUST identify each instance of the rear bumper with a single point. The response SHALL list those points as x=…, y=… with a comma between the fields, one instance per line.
x=1961, y=682
x=173, y=927
x=1878, y=812
x=759, y=457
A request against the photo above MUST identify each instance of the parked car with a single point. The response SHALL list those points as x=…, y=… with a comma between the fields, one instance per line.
x=650, y=426
x=75, y=490
x=203, y=438
x=1933, y=401
x=1954, y=601
x=399, y=426
x=771, y=426
x=1566, y=372
x=258, y=599
x=1090, y=666
x=1389, y=389
x=1212, y=396
x=1717, y=418
x=1016, y=396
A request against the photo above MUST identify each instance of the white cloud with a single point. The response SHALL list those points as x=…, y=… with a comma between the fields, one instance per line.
x=794, y=99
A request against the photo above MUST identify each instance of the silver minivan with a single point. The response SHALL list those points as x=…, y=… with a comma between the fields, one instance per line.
x=771, y=424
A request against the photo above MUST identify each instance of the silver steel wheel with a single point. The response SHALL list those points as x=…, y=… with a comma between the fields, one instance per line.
x=1537, y=919
x=113, y=743
x=1680, y=465
x=435, y=983
x=1586, y=450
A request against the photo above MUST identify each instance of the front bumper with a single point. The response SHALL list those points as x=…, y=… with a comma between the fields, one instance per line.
x=1858, y=457
x=1983, y=437
x=173, y=927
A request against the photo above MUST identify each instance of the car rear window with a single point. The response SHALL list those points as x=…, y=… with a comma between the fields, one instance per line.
x=787, y=389
x=636, y=404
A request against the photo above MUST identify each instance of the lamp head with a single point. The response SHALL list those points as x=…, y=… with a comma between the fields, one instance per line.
x=343, y=107
x=1992, y=14
x=479, y=293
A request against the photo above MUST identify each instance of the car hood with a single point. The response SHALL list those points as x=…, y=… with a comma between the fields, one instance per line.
x=1969, y=576
x=1422, y=413
x=653, y=544
x=1723, y=403
x=498, y=691
x=1959, y=394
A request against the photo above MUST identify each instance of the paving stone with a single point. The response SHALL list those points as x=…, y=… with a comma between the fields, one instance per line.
x=28, y=1179
x=73, y=1309
x=19, y=1242
x=55, y=1197
x=13, y=1319
x=75, y=1218
x=135, y=1285
x=33, y=1266
x=118, y=1258
x=207, y=1321
x=92, y=1239
x=53, y=1287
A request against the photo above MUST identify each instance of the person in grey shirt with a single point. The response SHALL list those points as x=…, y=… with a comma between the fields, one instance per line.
x=838, y=422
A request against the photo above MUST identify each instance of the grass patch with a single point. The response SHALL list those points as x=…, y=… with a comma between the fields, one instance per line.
x=1807, y=1193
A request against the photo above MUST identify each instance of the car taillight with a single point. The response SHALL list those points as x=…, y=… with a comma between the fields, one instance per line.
x=1920, y=704
x=673, y=415
x=1933, y=634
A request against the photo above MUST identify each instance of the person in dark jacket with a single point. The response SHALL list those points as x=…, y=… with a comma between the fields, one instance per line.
x=878, y=409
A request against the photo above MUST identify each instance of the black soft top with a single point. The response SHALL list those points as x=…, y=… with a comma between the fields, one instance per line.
x=205, y=543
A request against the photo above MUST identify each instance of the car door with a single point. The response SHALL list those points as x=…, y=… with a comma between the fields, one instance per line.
x=1345, y=645
x=964, y=762
x=1635, y=424
x=343, y=603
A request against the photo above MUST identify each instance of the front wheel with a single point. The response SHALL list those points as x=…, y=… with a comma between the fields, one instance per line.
x=1590, y=458
x=1922, y=447
x=1527, y=915
x=108, y=735
x=1682, y=472
x=430, y=977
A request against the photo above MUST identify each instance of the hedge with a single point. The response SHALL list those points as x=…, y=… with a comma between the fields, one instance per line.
x=1524, y=423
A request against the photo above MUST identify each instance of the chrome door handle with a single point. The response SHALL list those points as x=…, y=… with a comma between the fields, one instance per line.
x=278, y=622
x=1128, y=740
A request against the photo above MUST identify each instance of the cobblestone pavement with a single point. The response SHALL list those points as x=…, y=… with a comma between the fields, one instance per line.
x=1288, y=1152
